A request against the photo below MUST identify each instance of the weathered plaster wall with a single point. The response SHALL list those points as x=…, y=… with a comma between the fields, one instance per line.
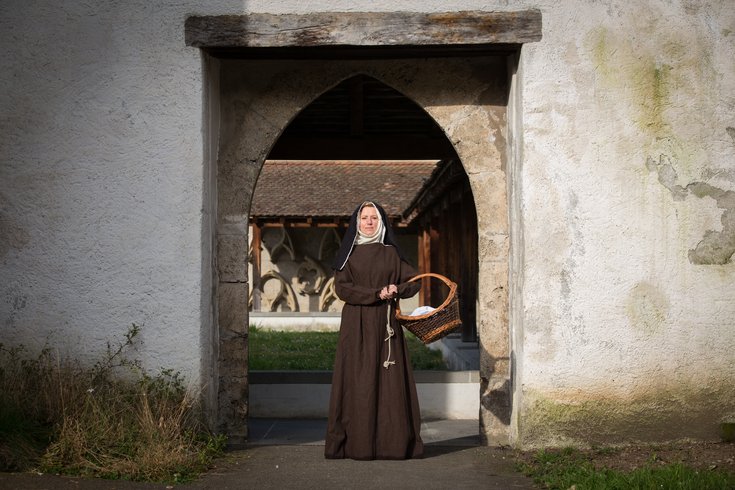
x=626, y=191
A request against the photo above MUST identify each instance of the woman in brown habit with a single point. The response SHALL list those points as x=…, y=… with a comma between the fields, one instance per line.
x=373, y=408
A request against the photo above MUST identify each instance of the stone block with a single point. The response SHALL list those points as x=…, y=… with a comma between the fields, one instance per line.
x=232, y=258
x=232, y=307
x=492, y=247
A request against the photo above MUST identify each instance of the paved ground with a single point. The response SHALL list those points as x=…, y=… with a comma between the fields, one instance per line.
x=289, y=454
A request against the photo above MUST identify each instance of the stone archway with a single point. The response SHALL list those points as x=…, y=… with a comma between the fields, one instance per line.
x=255, y=109
x=467, y=98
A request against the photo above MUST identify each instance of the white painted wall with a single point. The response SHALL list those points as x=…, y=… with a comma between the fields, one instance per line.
x=613, y=311
x=103, y=220
x=101, y=181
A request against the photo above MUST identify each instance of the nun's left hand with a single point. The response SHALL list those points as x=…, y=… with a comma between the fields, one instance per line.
x=389, y=292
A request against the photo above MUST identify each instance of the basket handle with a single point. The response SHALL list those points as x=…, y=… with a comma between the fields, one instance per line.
x=452, y=289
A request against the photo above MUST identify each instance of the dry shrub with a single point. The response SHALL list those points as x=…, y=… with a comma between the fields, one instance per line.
x=26, y=419
x=112, y=420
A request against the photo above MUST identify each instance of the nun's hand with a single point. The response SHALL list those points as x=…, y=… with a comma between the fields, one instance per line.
x=388, y=292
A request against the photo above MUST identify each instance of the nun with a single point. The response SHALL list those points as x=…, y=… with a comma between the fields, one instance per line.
x=373, y=407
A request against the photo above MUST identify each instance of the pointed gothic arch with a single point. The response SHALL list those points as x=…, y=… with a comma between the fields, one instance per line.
x=359, y=119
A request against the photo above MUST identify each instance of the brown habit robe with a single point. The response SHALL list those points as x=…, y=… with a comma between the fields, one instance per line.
x=373, y=410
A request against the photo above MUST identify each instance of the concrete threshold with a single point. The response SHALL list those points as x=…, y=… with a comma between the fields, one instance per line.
x=443, y=395
x=310, y=432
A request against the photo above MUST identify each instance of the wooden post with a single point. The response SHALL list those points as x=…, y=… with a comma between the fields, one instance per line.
x=257, y=233
x=425, y=265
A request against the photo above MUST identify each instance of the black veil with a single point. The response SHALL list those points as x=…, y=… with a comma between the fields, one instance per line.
x=348, y=242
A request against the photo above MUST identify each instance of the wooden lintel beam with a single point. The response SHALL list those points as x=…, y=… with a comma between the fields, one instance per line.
x=366, y=29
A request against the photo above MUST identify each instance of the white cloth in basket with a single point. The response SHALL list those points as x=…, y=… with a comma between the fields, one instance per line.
x=422, y=310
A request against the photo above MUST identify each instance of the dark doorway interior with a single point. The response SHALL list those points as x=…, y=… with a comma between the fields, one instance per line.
x=362, y=119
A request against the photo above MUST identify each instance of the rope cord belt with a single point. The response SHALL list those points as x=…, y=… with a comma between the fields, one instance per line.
x=389, y=330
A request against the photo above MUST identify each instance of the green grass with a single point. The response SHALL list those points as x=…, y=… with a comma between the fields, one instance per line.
x=568, y=468
x=275, y=350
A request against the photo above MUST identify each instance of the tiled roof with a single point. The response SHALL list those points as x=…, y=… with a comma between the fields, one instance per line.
x=333, y=188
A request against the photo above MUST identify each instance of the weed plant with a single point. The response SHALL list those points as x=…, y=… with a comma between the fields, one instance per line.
x=278, y=350
x=110, y=420
x=568, y=468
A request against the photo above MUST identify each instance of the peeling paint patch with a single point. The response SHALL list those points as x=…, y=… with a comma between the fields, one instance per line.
x=647, y=307
x=716, y=247
x=667, y=176
x=652, y=83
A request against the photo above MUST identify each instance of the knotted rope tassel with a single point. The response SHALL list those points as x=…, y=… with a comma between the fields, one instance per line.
x=389, y=330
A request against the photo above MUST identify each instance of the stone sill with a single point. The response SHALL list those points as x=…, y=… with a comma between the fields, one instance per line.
x=293, y=314
x=325, y=377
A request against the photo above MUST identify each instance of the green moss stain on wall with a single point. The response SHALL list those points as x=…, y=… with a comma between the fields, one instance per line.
x=647, y=83
x=600, y=46
x=657, y=415
x=654, y=97
x=647, y=307
x=635, y=77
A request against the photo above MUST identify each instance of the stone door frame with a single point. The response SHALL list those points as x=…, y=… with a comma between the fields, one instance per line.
x=485, y=136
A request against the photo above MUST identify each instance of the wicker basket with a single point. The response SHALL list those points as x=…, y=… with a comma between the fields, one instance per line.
x=438, y=323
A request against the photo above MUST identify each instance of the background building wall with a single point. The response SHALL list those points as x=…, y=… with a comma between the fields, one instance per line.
x=622, y=210
x=303, y=258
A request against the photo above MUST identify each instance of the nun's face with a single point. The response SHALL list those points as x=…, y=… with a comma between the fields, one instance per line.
x=369, y=220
